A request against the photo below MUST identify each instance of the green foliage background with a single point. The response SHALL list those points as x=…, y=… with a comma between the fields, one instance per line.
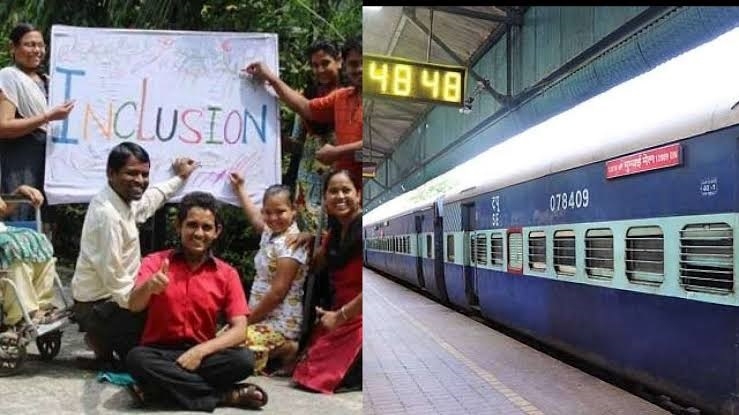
x=297, y=22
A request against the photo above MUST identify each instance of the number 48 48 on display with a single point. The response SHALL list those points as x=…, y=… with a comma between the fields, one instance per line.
x=574, y=200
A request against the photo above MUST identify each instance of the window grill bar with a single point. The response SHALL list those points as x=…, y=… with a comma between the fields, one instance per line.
x=645, y=261
x=644, y=250
x=712, y=271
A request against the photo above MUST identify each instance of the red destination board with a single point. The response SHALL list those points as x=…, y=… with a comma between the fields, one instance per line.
x=658, y=158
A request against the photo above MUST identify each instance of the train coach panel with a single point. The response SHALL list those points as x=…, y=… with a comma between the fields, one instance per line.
x=421, y=253
x=704, y=183
x=469, y=225
x=438, y=261
x=453, y=268
x=630, y=333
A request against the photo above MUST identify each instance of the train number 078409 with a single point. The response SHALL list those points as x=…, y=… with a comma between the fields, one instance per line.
x=574, y=200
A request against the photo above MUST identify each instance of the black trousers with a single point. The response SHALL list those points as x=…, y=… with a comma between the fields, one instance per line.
x=112, y=327
x=157, y=373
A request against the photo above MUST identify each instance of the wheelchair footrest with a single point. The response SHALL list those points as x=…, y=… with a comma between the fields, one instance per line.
x=42, y=329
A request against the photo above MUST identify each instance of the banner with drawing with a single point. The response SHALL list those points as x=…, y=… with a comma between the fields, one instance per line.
x=176, y=93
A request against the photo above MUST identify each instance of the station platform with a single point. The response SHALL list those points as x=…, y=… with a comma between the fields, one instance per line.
x=423, y=358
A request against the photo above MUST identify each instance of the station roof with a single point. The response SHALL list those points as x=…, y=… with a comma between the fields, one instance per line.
x=454, y=36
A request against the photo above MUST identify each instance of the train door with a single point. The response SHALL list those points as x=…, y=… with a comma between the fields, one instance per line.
x=364, y=246
x=420, y=250
x=468, y=226
x=439, y=253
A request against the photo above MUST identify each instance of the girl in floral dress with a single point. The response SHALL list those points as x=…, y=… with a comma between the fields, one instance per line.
x=276, y=298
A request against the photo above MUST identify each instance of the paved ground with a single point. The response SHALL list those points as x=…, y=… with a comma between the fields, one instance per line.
x=61, y=387
x=423, y=358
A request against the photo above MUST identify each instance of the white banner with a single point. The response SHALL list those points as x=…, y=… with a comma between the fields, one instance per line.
x=176, y=94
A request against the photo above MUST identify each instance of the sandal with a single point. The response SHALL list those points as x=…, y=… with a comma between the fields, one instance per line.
x=245, y=395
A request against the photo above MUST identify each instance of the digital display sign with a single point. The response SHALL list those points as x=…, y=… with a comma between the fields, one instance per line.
x=397, y=78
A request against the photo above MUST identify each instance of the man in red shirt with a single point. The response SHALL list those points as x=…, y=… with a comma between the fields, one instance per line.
x=179, y=358
x=343, y=106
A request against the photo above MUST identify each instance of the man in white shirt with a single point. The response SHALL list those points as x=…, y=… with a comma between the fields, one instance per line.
x=110, y=254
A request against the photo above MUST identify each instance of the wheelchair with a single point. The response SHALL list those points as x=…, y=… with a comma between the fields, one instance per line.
x=48, y=337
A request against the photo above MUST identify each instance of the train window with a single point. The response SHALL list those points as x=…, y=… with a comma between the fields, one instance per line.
x=480, y=252
x=707, y=258
x=429, y=245
x=515, y=251
x=645, y=255
x=537, y=250
x=450, y=248
x=496, y=249
x=599, y=253
x=564, y=252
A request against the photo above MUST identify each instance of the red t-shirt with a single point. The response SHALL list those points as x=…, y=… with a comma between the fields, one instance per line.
x=186, y=311
x=343, y=106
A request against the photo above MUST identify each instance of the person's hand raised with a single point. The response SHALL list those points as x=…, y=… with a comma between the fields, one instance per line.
x=159, y=281
x=237, y=180
x=259, y=71
x=60, y=112
x=184, y=166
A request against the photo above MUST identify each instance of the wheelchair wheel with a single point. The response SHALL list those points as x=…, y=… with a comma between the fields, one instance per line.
x=49, y=344
x=12, y=354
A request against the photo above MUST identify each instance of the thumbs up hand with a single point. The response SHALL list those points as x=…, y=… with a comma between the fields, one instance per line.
x=159, y=281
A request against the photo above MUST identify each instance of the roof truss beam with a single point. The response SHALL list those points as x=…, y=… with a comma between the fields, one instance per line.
x=461, y=11
x=502, y=99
